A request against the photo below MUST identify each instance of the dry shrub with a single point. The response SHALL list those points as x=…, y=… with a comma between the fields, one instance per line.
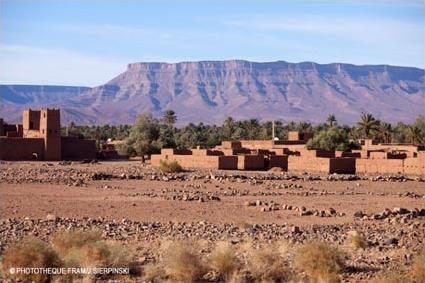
x=182, y=262
x=267, y=263
x=66, y=241
x=87, y=249
x=356, y=240
x=320, y=261
x=418, y=269
x=223, y=259
x=391, y=277
x=30, y=252
x=153, y=273
x=170, y=166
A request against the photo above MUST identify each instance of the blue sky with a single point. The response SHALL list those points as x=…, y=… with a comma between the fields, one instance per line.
x=88, y=42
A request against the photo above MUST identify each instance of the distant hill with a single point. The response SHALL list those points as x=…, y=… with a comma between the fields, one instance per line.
x=209, y=91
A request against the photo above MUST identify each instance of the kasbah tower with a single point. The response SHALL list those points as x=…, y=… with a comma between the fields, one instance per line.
x=45, y=124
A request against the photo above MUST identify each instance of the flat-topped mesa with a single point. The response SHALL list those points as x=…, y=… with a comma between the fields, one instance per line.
x=209, y=65
x=259, y=66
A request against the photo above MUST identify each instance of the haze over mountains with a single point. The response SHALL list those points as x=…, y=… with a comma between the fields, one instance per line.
x=210, y=91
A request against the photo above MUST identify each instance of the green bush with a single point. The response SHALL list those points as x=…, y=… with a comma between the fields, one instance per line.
x=170, y=166
x=332, y=139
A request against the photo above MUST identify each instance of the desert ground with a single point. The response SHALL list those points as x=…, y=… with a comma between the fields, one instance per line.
x=140, y=207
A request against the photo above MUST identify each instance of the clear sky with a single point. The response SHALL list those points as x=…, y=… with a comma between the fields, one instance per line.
x=88, y=42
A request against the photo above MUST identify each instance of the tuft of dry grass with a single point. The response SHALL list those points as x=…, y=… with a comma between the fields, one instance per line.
x=153, y=273
x=30, y=252
x=391, y=277
x=223, y=259
x=418, y=269
x=87, y=249
x=66, y=241
x=267, y=263
x=320, y=261
x=356, y=240
x=182, y=262
x=170, y=166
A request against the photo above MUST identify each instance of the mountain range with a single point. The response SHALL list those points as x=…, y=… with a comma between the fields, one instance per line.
x=210, y=91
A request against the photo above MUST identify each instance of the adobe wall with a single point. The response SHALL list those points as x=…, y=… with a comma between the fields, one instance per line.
x=345, y=165
x=280, y=161
x=171, y=151
x=193, y=161
x=21, y=149
x=250, y=162
x=390, y=147
x=204, y=152
x=235, y=151
x=347, y=154
x=257, y=144
x=414, y=166
x=77, y=149
x=308, y=164
x=231, y=145
x=379, y=166
x=316, y=153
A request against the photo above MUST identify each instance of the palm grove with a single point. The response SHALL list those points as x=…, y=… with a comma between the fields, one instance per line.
x=148, y=134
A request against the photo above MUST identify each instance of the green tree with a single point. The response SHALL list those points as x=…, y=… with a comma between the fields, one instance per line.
x=334, y=138
x=367, y=125
x=144, y=135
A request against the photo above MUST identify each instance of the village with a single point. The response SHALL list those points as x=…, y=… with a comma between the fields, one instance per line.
x=39, y=138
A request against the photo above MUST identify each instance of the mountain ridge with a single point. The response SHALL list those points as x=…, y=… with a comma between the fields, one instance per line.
x=209, y=91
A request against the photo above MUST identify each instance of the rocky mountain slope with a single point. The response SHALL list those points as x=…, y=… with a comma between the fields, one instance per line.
x=209, y=91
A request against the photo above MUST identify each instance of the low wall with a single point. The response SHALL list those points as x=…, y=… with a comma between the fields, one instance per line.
x=250, y=162
x=197, y=161
x=322, y=165
x=21, y=149
x=235, y=151
x=205, y=152
x=379, y=166
x=257, y=144
x=347, y=154
x=344, y=165
x=316, y=153
x=308, y=164
x=172, y=151
x=231, y=145
x=280, y=161
x=414, y=166
x=77, y=149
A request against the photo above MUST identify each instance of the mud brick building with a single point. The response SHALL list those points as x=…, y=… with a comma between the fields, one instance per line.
x=39, y=138
x=292, y=156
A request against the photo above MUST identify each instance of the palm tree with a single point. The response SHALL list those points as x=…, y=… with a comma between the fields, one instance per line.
x=251, y=127
x=385, y=132
x=304, y=126
x=331, y=120
x=170, y=117
x=367, y=124
x=228, y=128
x=415, y=134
